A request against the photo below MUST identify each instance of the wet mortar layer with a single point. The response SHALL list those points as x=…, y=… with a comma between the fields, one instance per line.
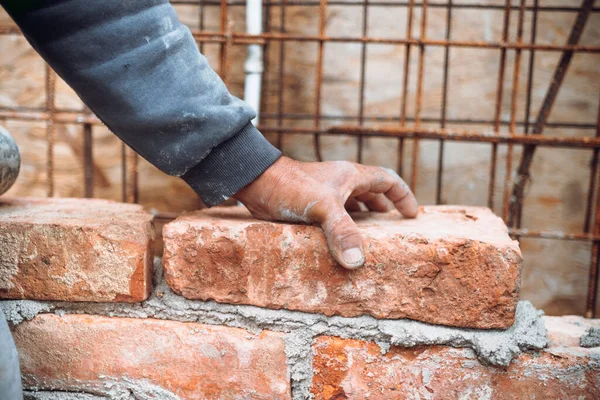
x=493, y=347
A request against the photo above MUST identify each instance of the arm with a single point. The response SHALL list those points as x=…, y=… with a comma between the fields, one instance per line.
x=139, y=70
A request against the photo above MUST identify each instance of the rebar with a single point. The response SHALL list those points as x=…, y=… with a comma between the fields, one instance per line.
x=508, y=131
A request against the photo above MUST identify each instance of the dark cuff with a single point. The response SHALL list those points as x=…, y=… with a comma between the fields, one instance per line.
x=231, y=166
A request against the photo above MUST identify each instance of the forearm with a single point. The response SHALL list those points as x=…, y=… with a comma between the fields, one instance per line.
x=138, y=68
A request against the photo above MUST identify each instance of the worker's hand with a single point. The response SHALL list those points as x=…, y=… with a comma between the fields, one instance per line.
x=323, y=193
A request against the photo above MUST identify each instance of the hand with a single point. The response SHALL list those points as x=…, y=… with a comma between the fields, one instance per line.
x=322, y=192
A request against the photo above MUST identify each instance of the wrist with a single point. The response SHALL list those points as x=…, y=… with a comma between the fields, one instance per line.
x=260, y=189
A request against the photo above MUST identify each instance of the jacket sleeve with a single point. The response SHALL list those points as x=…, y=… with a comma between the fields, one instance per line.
x=139, y=70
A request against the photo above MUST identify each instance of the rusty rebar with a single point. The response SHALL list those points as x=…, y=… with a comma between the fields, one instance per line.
x=281, y=77
x=224, y=34
x=459, y=135
x=415, y=155
x=68, y=116
x=50, y=110
x=201, y=22
x=498, y=109
x=518, y=190
x=409, y=20
x=557, y=235
x=130, y=168
x=241, y=38
x=123, y=172
x=88, y=160
x=513, y=113
x=462, y=135
x=361, y=84
x=319, y=79
x=590, y=309
x=225, y=38
x=592, y=183
x=379, y=3
x=440, y=163
x=529, y=87
x=264, y=77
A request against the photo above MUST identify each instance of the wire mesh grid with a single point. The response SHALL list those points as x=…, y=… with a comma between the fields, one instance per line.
x=526, y=133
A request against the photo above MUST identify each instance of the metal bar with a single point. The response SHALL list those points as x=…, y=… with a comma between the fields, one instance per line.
x=401, y=132
x=223, y=33
x=132, y=190
x=281, y=77
x=361, y=96
x=529, y=88
x=77, y=117
x=513, y=114
x=419, y=105
x=440, y=163
x=312, y=3
x=449, y=134
x=499, y=90
x=50, y=110
x=264, y=77
x=409, y=20
x=590, y=309
x=242, y=38
x=226, y=60
x=518, y=190
x=319, y=79
x=201, y=21
x=88, y=167
x=553, y=235
x=592, y=184
x=123, y=172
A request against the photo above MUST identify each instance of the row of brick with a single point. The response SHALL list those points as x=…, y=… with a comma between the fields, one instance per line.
x=194, y=361
x=451, y=265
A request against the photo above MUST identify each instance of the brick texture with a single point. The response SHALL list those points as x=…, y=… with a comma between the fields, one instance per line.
x=351, y=369
x=451, y=265
x=74, y=250
x=168, y=359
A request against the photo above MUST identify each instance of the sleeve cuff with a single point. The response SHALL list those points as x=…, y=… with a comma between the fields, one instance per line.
x=231, y=166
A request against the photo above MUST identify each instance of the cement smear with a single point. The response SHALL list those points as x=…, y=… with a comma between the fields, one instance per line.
x=16, y=311
x=107, y=388
x=591, y=338
x=61, y=396
x=493, y=347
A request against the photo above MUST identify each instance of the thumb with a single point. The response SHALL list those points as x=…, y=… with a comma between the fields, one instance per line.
x=343, y=237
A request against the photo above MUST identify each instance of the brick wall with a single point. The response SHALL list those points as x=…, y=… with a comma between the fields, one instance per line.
x=258, y=310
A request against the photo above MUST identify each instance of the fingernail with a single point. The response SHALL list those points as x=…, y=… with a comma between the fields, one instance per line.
x=353, y=257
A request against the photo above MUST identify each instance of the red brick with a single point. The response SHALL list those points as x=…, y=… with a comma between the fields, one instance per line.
x=451, y=265
x=351, y=369
x=192, y=361
x=74, y=250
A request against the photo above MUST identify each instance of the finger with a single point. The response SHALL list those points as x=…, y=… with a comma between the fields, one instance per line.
x=343, y=237
x=376, y=202
x=403, y=198
x=386, y=181
x=352, y=205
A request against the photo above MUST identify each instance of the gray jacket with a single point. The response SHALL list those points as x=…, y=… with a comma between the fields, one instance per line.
x=139, y=70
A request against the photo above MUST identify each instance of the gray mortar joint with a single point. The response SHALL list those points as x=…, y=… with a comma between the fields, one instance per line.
x=492, y=347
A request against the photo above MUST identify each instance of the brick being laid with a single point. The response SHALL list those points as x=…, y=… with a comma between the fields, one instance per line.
x=74, y=250
x=451, y=265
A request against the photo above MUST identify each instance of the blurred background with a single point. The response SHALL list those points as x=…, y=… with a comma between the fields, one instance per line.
x=477, y=102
